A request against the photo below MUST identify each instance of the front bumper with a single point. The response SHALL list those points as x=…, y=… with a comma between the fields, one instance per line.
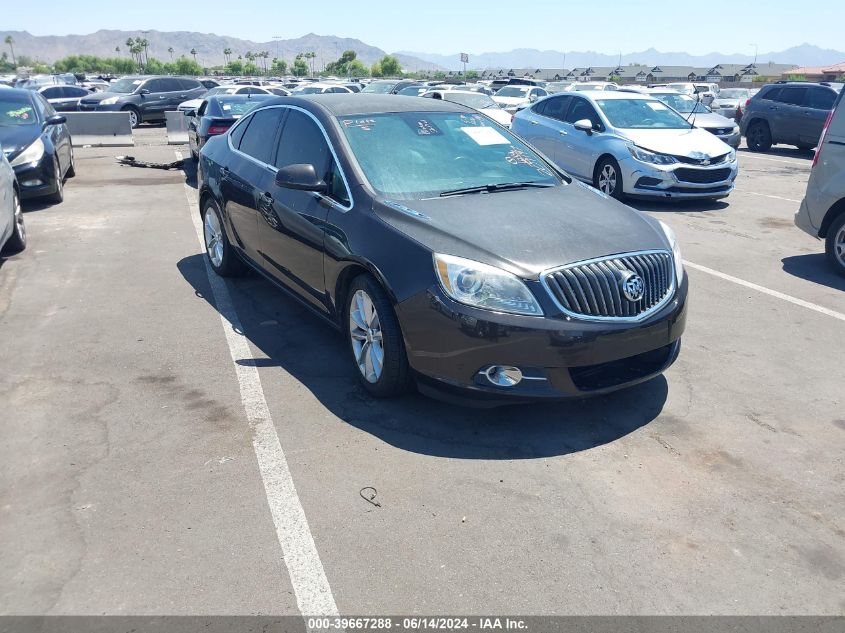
x=99, y=107
x=449, y=344
x=38, y=178
x=644, y=180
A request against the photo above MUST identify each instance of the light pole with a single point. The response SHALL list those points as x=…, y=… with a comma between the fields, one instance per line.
x=755, y=54
x=277, y=38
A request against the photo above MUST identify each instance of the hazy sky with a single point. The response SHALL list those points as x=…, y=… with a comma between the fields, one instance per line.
x=448, y=26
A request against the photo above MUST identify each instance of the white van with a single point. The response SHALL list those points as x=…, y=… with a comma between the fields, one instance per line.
x=822, y=212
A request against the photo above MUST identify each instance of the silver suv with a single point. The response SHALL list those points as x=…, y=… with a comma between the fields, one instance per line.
x=822, y=212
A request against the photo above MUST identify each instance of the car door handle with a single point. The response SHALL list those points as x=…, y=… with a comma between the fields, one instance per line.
x=224, y=173
x=563, y=132
x=774, y=108
x=534, y=122
x=182, y=96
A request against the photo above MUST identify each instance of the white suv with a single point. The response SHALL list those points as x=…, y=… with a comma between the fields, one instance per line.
x=822, y=212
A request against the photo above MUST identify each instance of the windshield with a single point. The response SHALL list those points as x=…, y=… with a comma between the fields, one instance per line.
x=416, y=155
x=126, y=85
x=380, y=87
x=413, y=91
x=734, y=93
x=308, y=90
x=641, y=114
x=16, y=110
x=557, y=86
x=237, y=106
x=475, y=100
x=512, y=91
x=683, y=103
x=685, y=88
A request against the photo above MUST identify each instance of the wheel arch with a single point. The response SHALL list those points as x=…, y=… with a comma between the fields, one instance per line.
x=352, y=269
x=830, y=217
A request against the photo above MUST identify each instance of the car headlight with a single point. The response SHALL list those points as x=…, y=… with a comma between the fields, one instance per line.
x=735, y=130
x=646, y=156
x=483, y=286
x=732, y=156
x=31, y=154
x=676, y=251
x=109, y=101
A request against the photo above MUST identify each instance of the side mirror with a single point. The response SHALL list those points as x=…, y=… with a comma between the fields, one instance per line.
x=302, y=177
x=56, y=119
x=584, y=125
x=143, y=91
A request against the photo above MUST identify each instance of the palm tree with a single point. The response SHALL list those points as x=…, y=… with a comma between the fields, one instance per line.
x=194, y=53
x=117, y=50
x=144, y=45
x=227, y=54
x=311, y=55
x=11, y=41
x=170, y=50
x=264, y=56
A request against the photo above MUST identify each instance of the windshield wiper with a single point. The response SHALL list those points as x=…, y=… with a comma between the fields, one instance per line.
x=492, y=188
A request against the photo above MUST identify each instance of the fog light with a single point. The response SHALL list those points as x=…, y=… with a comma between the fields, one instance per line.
x=32, y=183
x=503, y=376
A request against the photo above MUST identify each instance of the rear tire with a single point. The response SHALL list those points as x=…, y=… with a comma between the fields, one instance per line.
x=608, y=178
x=375, y=340
x=759, y=137
x=17, y=242
x=221, y=256
x=835, y=244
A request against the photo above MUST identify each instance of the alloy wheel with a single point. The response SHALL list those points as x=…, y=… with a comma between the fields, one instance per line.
x=839, y=246
x=19, y=225
x=607, y=179
x=366, y=336
x=213, y=238
x=133, y=119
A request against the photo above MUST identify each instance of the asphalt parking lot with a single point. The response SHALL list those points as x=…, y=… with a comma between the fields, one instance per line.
x=139, y=472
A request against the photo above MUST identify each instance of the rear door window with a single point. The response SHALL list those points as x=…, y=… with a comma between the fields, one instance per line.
x=792, y=95
x=556, y=107
x=187, y=84
x=259, y=137
x=52, y=93
x=820, y=98
x=772, y=95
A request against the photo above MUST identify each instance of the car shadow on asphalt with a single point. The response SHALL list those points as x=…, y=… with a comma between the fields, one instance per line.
x=289, y=336
x=783, y=152
x=678, y=206
x=815, y=268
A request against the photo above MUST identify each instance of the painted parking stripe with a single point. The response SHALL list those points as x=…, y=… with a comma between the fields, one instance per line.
x=766, y=195
x=776, y=160
x=768, y=291
x=308, y=578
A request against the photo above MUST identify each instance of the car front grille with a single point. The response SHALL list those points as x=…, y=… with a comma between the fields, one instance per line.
x=719, y=131
x=702, y=176
x=702, y=161
x=595, y=289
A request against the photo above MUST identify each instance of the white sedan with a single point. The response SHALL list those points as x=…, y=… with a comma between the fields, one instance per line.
x=320, y=88
x=515, y=97
x=475, y=100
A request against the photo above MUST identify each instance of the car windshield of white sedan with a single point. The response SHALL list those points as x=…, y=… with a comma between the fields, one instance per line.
x=14, y=112
x=475, y=100
x=734, y=93
x=308, y=90
x=641, y=114
x=683, y=103
x=512, y=91
x=416, y=155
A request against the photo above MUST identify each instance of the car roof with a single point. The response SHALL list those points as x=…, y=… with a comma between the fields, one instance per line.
x=348, y=104
x=614, y=94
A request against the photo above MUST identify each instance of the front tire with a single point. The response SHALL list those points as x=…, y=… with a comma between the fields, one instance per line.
x=134, y=117
x=222, y=257
x=58, y=196
x=835, y=244
x=608, y=178
x=17, y=242
x=759, y=137
x=71, y=169
x=375, y=339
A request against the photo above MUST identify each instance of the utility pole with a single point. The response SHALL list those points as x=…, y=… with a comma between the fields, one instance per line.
x=277, y=38
x=755, y=54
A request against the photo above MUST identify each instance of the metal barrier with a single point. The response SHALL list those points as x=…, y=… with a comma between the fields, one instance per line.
x=99, y=129
x=177, y=128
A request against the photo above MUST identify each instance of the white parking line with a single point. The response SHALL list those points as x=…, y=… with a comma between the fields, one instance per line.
x=313, y=593
x=766, y=195
x=776, y=160
x=768, y=291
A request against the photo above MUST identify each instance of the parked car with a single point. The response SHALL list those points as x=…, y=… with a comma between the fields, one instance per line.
x=792, y=113
x=708, y=92
x=367, y=209
x=731, y=102
x=193, y=104
x=464, y=88
x=64, y=98
x=593, y=86
x=216, y=114
x=700, y=115
x=37, y=81
x=320, y=88
x=475, y=100
x=557, y=86
x=209, y=83
x=625, y=143
x=353, y=86
x=414, y=91
x=144, y=97
x=387, y=86
x=37, y=144
x=513, y=97
x=822, y=211
x=12, y=228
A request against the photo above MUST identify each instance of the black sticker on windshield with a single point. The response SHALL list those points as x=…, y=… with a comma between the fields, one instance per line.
x=361, y=124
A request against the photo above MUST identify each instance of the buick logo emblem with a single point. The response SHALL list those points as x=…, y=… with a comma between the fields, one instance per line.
x=632, y=286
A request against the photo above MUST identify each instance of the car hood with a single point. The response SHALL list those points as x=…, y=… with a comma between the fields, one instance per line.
x=191, y=104
x=686, y=142
x=711, y=119
x=510, y=100
x=14, y=138
x=526, y=231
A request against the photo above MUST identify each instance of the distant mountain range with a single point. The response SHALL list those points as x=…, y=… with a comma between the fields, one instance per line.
x=803, y=55
x=209, y=47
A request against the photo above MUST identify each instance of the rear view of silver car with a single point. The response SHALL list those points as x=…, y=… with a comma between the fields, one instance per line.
x=627, y=144
x=822, y=212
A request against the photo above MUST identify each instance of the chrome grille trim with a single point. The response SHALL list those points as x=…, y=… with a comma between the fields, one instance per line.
x=590, y=290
